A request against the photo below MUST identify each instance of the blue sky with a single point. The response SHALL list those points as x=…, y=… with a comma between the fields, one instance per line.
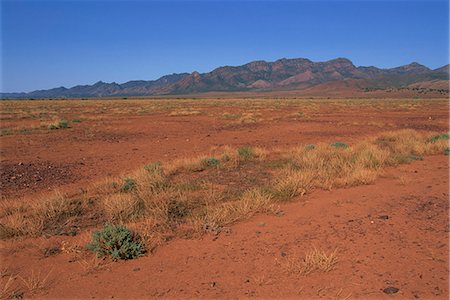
x=48, y=44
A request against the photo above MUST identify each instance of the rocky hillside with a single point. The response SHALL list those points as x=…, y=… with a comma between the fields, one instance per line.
x=283, y=74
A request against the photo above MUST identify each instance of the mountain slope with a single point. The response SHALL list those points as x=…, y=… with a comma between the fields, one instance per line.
x=283, y=74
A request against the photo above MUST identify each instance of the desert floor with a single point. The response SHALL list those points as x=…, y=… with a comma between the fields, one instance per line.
x=392, y=233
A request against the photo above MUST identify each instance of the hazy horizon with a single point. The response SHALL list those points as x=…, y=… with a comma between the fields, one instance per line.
x=48, y=44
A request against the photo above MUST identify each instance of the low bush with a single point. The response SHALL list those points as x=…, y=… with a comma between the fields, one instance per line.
x=442, y=136
x=128, y=185
x=339, y=145
x=155, y=167
x=245, y=152
x=211, y=162
x=117, y=241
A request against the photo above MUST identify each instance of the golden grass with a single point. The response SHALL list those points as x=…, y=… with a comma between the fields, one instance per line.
x=314, y=260
x=183, y=113
x=190, y=195
x=35, y=217
x=251, y=202
x=5, y=288
x=35, y=281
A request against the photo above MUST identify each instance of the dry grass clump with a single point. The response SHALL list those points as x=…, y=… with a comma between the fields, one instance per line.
x=407, y=145
x=35, y=281
x=122, y=207
x=42, y=215
x=251, y=202
x=249, y=118
x=314, y=260
x=182, y=113
x=291, y=183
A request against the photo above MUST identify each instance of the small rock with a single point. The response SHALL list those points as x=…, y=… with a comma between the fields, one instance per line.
x=280, y=213
x=390, y=290
x=383, y=217
x=136, y=269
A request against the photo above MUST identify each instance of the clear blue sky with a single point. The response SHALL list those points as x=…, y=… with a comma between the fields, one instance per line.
x=48, y=44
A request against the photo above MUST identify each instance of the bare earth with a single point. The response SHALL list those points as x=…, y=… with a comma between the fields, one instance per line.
x=393, y=233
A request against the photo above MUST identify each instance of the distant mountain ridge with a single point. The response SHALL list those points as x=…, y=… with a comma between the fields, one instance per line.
x=283, y=74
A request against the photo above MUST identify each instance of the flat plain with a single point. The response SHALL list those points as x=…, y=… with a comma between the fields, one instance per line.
x=313, y=198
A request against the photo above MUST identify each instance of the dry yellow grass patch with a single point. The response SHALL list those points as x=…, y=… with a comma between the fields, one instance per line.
x=252, y=202
x=34, y=217
x=122, y=207
x=183, y=113
x=314, y=260
x=291, y=183
x=35, y=281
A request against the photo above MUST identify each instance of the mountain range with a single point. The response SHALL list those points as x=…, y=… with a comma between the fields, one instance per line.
x=281, y=75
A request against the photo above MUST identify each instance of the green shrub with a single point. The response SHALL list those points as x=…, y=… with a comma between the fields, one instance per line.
x=211, y=162
x=310, y=147
x=155, y=167
x=128, y=185
x=63, y=124
x=447, y=151
x=76, y=121
x=117, y=241
x=339, y=145
x=442, y=136
x=245, y=152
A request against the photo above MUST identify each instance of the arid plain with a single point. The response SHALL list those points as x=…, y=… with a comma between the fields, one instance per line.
x=236, y=198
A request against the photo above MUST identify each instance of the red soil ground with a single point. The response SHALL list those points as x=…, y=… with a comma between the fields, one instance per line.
x=114, y=138
x=407, y=250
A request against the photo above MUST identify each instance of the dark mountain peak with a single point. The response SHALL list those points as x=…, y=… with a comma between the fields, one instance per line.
x=341, y=61
x=195, y=75
x=443, y=69
x=413, y=67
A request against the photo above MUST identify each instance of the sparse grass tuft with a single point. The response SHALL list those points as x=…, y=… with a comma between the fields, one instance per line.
x=339, y=145
x=35, y=281
x=292, y=183
x=251, y=202
x=245, y=152
x=59, y=125
x=183, y=113
x=5, y=290
x=122, y=208
x=211, y=162
x=314, y=260
x=155, y=167
x=128, y=185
